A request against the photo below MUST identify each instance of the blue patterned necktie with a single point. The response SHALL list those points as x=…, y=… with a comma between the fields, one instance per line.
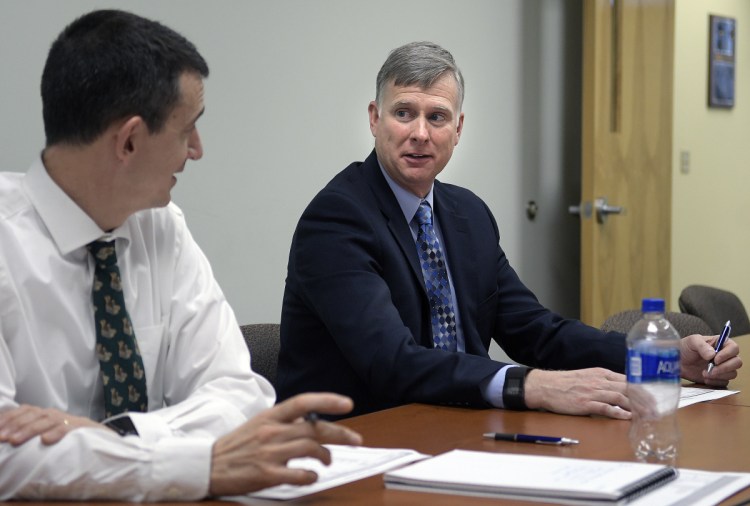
x=435, y=275
x=119, y=357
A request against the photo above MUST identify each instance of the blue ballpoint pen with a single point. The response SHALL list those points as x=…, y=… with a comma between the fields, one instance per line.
x=529, y=438
x=722, y=338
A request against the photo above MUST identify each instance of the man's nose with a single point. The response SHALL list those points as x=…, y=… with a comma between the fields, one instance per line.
x=195, y=147
x=420, y=132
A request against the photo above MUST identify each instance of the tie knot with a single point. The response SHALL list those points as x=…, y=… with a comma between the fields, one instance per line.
x=103, y=252
x=424, y=213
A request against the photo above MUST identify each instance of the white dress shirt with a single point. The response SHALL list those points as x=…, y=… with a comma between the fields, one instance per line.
x=197, y=366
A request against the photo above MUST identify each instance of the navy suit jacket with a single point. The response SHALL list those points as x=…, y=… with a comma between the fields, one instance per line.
x=355, y=316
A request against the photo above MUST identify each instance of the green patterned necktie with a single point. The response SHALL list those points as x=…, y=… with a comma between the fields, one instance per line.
x=120, y=359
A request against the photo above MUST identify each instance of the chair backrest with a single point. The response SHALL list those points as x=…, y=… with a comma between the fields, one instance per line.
x=263, y=341
x=715, y=307
x=684, y=324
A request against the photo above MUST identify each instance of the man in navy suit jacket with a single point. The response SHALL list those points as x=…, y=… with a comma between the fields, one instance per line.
x=356, y=316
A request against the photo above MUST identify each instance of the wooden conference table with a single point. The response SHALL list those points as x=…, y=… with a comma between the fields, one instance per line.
x=715, y=436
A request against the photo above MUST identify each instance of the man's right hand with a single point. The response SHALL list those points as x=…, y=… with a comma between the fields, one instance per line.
x=20, y=424
x=254, y=456
x=594, y=391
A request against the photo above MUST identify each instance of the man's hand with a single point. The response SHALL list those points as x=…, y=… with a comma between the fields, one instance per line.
x=20, y=424
x=255, y=455
x=595, y=391
x=695, y=353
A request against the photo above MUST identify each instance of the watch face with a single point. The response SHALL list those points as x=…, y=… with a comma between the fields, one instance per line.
x=513, y=391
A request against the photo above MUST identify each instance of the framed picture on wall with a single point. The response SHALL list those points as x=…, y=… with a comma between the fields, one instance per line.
x=721, y=60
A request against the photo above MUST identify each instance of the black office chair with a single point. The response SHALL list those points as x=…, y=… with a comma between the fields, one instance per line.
x=715, y=307
x=263, y=341
x=684, y=324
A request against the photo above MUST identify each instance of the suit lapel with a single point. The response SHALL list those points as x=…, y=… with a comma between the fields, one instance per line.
x=455, y=229
x=394, y=215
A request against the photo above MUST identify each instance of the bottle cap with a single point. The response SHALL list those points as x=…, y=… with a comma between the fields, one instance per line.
x=652, y=306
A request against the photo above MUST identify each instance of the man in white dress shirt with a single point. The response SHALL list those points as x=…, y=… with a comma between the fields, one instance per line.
x=121, y=96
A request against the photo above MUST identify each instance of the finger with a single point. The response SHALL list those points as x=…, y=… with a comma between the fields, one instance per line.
x=718, y=380
x=56, y=433
x=27, y=422
x=613, y=399
x=35, y=428
x=616, y=377
x=617, y=412
x=716, y=383
x=699, y=345
x=298, y=448
x=729, y=350
x=604, y=409
x=293, y=476
x=300, y=405
x=20, y=416
x=702, y=345
x=725, y=370
x=331, y=433
x=320, y=431
x=15, y=420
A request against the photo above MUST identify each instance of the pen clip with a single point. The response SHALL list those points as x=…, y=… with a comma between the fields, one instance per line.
x=724, y=335
x=552, y=443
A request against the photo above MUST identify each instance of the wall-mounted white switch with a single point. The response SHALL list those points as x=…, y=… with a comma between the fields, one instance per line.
x=685, y=162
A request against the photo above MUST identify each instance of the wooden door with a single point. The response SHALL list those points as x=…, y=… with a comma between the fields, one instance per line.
x=626, y=154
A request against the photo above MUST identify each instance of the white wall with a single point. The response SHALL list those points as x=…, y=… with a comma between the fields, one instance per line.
x=286, y=108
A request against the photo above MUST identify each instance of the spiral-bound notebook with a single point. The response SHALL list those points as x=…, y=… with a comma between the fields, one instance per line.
x=531, y=477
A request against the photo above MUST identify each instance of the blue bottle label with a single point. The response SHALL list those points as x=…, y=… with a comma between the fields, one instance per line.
x=653, y=365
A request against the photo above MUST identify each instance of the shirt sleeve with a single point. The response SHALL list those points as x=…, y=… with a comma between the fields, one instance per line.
x=204, y=373
x=492, y=388
x=91, y=463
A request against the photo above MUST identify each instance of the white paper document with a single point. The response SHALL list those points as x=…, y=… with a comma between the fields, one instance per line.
x=695, y=488
x=348, y=463
x=692, y=395
x=531, y=477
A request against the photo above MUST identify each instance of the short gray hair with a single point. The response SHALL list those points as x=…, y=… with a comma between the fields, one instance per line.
x=418, y=63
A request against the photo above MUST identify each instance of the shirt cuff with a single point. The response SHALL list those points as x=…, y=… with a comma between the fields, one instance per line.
x=150, y=428
x=188, y=481
x=492, y=388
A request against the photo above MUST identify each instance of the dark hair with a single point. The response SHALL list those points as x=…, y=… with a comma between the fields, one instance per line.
x=418, y=63
x=108, y=65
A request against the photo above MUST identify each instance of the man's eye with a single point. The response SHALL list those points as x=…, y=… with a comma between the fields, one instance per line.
x=437, y=117
x=402, y=114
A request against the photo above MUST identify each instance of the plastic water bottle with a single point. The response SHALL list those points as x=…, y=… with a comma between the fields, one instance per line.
x=653, y=373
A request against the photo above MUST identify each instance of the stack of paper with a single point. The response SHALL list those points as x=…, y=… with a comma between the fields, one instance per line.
x=565, y=480
x=530, y=477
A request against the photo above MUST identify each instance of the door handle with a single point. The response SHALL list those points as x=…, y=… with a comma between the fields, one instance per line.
x=582, y=210
x=603, y=209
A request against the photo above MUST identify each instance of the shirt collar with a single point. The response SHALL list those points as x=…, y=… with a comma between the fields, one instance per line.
x=70, y=227
x=408, y=201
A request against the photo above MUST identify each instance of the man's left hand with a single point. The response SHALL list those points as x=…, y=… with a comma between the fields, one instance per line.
x=696, y=352
x=25, y=422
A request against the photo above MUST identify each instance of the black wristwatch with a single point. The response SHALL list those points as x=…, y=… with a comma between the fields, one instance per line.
x=123, y=425
x=513, y=392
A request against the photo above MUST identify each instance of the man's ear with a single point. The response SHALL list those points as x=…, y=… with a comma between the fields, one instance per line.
x=459, y=127
x=372, y=111
x=128, y=137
